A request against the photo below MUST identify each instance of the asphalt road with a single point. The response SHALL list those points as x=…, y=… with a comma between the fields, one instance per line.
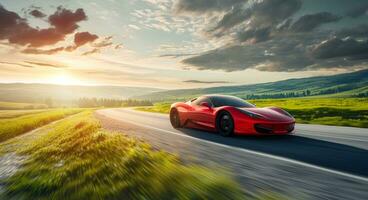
x=317, y=162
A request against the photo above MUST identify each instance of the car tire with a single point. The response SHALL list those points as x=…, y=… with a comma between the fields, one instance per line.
x=175, y=118
x=225, y=124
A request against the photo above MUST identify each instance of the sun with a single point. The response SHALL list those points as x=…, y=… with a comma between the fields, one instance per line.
x=64, y=79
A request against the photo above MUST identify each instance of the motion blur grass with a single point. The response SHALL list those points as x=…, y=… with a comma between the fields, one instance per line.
x=20, y=106
x=76, y=159
x=4, y=114
x=326, y=111
x=18, y=125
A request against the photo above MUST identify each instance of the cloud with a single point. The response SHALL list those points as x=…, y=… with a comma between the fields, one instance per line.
x=16, y=64
x=311, y=21
x=93, y=51
x=31, y=64
x=204, y=82
x=177, y=55
x=65, y=21
x=17, y=30
x=254, y=35
x=282, y=53
x=258, y=15
x=347, y=48
x=358, y=11
x=202, y=6
x=104, y=42
x=80, y=39
x=42, y=51
x=42, y=64
x=118, y=46
x=37, y=13
x=356, y=31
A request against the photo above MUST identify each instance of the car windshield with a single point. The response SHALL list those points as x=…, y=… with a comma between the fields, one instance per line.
x=219, y=101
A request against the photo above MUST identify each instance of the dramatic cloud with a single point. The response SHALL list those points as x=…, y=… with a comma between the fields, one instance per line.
x=254, y=35
x=202, y=6
x=358, y=11
x=36, y=13
x=312, y=21
x=357, y=31
x=348, y=48
x=279, y=54
x=65, y=21
x=204, y=82
x=266, y=35
x=81, y=39
x=258, y=15
x=17, y=31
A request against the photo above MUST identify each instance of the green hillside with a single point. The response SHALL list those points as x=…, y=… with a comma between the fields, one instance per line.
x=347, y=85
x=21, y=92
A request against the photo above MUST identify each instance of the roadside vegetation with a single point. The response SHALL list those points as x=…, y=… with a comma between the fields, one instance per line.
x=326, y=111
x=21, y=106
x=5, y=114
x=104, y=102
x=25, y=121
x=76, y=159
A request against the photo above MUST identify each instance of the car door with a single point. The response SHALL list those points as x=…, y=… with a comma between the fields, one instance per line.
x=203, y=115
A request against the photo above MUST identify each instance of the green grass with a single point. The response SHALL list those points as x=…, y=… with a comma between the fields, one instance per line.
x=76, y=159
x=20, y=106
x=5, y=114
x=326, y=111
x=18, y=125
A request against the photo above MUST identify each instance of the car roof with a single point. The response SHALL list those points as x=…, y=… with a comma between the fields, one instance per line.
x=216, y=95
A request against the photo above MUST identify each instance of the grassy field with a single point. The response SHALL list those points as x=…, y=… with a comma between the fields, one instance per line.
x=327, y=111
x=5, y=114
x=24, y=121
x=75, y=159
x=20, y=106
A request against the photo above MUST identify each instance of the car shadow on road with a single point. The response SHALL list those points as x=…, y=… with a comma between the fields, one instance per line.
x=313, y=151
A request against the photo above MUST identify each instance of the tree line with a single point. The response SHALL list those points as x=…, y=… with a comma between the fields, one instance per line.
x=103, y=102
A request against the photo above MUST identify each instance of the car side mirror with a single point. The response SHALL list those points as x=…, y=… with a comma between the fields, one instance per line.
x=205, y=104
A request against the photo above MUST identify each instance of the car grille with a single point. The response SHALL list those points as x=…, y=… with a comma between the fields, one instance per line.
x=273, y=128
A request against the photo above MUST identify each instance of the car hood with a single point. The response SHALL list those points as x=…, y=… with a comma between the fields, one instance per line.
x=269, y=113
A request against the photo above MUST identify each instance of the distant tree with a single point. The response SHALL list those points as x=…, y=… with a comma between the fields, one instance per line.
x=103, y=102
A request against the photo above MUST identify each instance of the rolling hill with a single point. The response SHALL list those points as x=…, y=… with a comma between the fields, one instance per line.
x=22, y=92
x=343, y=85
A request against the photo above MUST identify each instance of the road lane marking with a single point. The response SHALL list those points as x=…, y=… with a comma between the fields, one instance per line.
x=333, y=137
x=362, y=178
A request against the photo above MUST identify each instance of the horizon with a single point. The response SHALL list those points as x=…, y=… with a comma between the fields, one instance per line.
x=179, y=44
x=163, y=89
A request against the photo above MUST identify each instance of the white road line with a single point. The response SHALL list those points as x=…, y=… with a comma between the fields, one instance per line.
x=252, y=152
x=335, y=137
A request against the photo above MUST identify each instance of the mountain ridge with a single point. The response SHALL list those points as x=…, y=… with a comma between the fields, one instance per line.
x=295, y=87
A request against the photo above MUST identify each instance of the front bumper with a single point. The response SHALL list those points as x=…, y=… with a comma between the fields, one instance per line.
x=279, y=128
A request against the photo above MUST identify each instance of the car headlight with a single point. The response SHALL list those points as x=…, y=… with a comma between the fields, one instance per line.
x=251, y=114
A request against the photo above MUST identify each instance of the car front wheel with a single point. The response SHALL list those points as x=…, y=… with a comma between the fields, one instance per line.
x=225, y=124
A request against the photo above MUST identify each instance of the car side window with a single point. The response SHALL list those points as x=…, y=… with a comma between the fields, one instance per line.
x=199, y=100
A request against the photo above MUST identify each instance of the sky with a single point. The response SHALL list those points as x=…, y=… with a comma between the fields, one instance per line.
x=179, y=43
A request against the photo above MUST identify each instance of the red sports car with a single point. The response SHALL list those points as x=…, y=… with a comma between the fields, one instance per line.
x=230, y=115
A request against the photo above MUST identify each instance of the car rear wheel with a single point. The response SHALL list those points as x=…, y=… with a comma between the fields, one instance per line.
x=174, y=118
x=225, y=124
